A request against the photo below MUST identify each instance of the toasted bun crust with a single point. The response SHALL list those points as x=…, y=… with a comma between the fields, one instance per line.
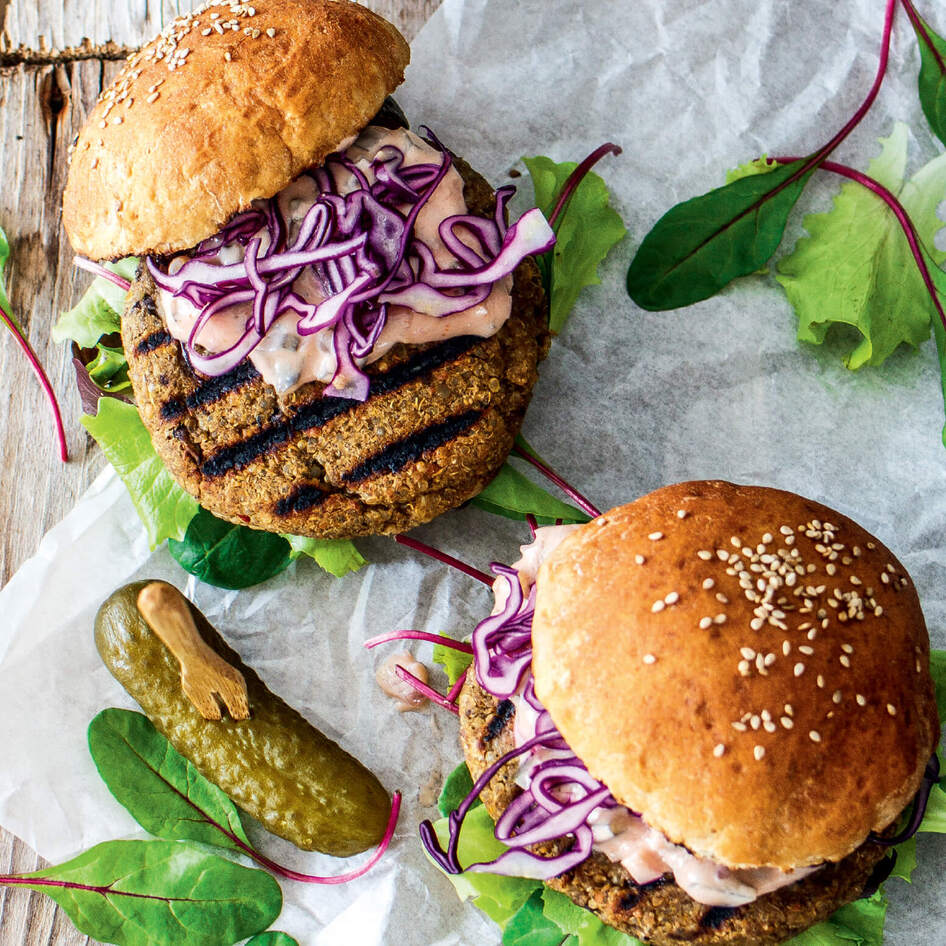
x=824, y=738
x=167, y=156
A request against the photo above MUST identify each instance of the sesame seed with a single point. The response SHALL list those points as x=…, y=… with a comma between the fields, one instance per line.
x=639, y=559
x=769, y=726
x=705, y=555
x=117, y=120
x=787, y=722
x=747, y=652
x=789, y=709
x=759, y=753
x=671, y=598
x=739, y=727
x=885, y=578
x=820, y=681
x=878, y=611
x=719, y=750
x=657, y=606
x=744, y=668
x=799, y=669
x=722, y=555
x=806, y=650
x=755, y=722
x=847, y=648
x=655, y=536
x=861, y=699
x=153, y=97
x=227, y=56
x=786, y=530
x=830, y=568
x=721, y=598
x=271, y=33
x=769, y=659
x=649, y=659
x=836, y=696
x=719, y=619
x=786, y=648
x=855, y=580
x=708, y=583
x=891, y=709
x=736, y=542
x=705, y=623
x=845, y=660
x=767, y=538
x=756, y=624
x=814, y=735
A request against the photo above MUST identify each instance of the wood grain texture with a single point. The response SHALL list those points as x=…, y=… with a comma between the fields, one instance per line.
x=41, y=108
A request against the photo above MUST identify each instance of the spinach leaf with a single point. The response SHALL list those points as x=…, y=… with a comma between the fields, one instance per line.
x=272, y=938
x=227, y=555
x=159, y=893
x=336, y=556
x=163, y=507
x=161, y=789
x=701, y=245
x=932, y=79
x=456, y=787
x=531, y=927
x=511, y=494
x=584, y=234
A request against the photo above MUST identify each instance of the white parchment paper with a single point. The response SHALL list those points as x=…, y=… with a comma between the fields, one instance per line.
x=627, y=401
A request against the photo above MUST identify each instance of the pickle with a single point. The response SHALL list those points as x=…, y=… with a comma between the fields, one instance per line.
x=275, y=765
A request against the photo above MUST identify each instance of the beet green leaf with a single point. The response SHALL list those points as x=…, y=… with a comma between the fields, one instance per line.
x=513, y=495
x=272, y=938
x=161, y=789
x=855, y=268
x=159, y=893
x=701, y=245
x=584, y=234
x=932, y=79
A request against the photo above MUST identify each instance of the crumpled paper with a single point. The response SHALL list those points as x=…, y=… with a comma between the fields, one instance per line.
x=627, y=401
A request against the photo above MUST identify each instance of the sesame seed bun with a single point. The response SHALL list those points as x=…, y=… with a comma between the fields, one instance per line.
x=646, y=644
x=228, y=104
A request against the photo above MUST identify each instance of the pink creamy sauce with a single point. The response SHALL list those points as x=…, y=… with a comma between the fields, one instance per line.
x=286, y=359
x=619, y=833
x=407, y=699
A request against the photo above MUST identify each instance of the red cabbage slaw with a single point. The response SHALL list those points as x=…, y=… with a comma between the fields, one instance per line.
x=560, y=793
x=364, y=254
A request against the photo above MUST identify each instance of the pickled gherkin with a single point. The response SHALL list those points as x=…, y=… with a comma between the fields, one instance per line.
x=275, y=765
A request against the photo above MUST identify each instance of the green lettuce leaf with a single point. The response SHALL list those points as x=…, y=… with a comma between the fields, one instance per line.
x=99, y=311
x=337, y=556
x=906, y=860
x=756, y=166
x=861, y=923
x=454, y=662
x=587, y=929
x=531, y=927
x=163, y=507
x=855, y=268
x=585, y=233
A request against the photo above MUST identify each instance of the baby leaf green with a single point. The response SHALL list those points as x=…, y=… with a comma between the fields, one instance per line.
x=701, y=245
x=584, y=234
x=161, y=789
x=932, y=79
x=227, y=555
x=457, y=785
x=855, y=267
x=511, y=494
x=99, y=310
x=337, y=556
x=272, y=938
x=159, y=893
x=530, y=927
x=163, y=507
x=454, y=662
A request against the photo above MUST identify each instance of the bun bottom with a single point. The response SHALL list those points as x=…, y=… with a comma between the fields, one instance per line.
x=661, y=913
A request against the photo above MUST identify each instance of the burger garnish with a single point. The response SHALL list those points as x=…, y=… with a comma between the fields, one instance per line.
x=646, y=734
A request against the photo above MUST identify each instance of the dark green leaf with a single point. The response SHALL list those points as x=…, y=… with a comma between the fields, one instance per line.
x=161, y=893
x=531, y=927
x=457, y=786
x=229, y=556
x=932, y=80
x=272, y=938
x=584, y=234
x=701, y=245
x=161, y=789
x=512, y=495
x=109, y=369
x=453, y=661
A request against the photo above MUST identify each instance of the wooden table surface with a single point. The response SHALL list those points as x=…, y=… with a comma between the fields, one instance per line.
x=49, y=79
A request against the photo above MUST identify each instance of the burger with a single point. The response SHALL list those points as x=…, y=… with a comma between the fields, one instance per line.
x=701, y=716
x=333, y=330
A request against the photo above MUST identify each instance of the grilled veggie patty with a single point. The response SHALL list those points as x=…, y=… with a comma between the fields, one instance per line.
x=438, y=423
x=661, y=913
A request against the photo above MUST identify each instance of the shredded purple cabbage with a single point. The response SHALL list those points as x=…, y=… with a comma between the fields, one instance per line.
x=362, y=249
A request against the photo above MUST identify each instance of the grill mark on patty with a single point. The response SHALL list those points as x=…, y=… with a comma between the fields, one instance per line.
x=716, y=917
x=504, y=712
x=301, y=499
x=397, y=455
x=210, y=391
x=153, y=342
x=320, y=410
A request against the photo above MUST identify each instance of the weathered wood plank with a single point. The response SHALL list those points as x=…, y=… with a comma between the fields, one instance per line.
x=41, y=108
x=57, y=24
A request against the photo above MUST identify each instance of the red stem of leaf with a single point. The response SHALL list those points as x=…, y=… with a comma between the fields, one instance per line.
x=454, y=691
x=462, y=646
x=290, y=874
x=575, y=178
x=531, y=523
x=80, y=262
x=902, y=216
x=553, y=477
x=439, y=556
x=423, y=688
x=43, y=380
x=923, y=34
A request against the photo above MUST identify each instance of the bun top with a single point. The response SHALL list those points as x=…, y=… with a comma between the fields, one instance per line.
x=747, y=669
x=230, y=103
